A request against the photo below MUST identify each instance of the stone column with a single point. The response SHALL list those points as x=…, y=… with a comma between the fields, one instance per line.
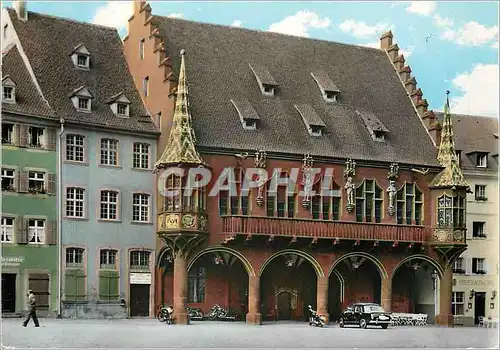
x=180, y=290
x=445, y=317
x=253, y=315
x=322, y=298
x=386, y=294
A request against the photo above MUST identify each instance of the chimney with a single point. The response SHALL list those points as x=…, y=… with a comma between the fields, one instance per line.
x=416, y=95
x=386, y=40
x=421, y=106
x=411, y=85
x=20, y=7
x=393, y=52
x=399, y=62
x=405, y=74
x=138, y=5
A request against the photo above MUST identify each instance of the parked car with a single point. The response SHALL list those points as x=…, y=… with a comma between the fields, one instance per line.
x=364, y=315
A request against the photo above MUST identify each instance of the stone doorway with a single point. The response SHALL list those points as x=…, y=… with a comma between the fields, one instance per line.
x=8, y=293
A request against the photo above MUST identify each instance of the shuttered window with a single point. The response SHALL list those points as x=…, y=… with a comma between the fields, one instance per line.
x=108, y=285
x=74, y=286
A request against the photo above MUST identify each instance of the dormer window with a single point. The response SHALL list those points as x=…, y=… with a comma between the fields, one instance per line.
x=481, y=160
x=328, y=89
x=266, y=82
x=81, y=57
x=82, y=99
x=84, y=103
x=120, y=104
x=8, y=90
x=248, y=115
x=311, y=119
x=82, y=61
x=377, y=130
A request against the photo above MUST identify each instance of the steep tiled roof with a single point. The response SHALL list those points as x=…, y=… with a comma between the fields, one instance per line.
x=475, y=134
x=28, y=99
x=48, y=43
x=218, y=67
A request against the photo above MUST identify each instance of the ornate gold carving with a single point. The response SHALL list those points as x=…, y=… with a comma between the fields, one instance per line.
x=202, y=223
x=459, y=235
x=261, y=163
x=188, y=221
x=440, y=235
x=172, y=221
x=307, y=180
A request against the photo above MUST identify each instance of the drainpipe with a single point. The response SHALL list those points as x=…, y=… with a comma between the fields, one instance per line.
x=59, y=220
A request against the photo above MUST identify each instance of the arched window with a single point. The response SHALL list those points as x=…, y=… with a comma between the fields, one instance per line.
x=369, y=202
x=409, y=205
x=451, y=211
x=324, y=206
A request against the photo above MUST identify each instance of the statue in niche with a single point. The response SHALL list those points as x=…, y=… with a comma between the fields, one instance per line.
x=391, y=190
x=307, y=180
x=350, y=187
x=260, y=162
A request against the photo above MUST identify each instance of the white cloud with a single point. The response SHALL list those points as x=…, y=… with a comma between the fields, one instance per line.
x=375, y=44
x=300, y=23
x=424, y=8
x=361, y=29
x=495, y=45
x=444, y=22
x=449, y=34
x=237, y=23
x=407, y=52
x=472, y=34
x=114, y=14
x=480, y=91
x=176, y=15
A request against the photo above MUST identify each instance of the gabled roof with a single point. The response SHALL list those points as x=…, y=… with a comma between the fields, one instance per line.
x=309, y=115
x=475, y=134
x=245, y=110
x=220, y=72
x=81, y=91
x=372, y=122
x=8, y=81
x=28, y=99
x=262, y=74
x=119, y=97
x=324, y=82
x=48, y=40
x=81, y=49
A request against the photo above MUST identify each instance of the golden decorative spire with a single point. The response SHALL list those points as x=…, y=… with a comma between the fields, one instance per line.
x=181, y=149
x=452, y=175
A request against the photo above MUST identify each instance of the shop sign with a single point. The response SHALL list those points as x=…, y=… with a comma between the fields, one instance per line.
x=140, y=278
x=475, y=282
x=12, y=260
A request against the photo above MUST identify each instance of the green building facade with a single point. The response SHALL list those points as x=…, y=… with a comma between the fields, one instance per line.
x=29, y=201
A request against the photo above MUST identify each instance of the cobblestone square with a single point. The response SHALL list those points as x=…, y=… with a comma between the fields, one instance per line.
x=146, y=333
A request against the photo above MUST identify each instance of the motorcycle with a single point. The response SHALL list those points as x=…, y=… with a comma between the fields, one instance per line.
x=195, y=314
x=165, y=314
x=315, y=319
x=219, y=313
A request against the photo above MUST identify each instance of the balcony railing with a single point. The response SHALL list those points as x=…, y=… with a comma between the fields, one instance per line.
x=285, y=227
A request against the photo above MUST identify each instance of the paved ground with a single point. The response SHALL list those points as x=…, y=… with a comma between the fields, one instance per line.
x=148, y=333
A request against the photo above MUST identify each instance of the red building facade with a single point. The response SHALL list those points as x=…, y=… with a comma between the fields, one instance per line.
x=284, y=104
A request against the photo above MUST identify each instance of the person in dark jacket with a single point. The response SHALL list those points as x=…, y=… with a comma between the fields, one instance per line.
x=31, y=310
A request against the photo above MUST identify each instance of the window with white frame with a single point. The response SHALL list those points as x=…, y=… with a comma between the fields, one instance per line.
x=109, y=152
x=8, y=179
x=478, y=229
x=481, y=160
x=75, y=202
x=480, y=192
x=74, y=256
x=141, y=155
x=8, y=93
x=82, y=61
x=478, y=266
x=36, y=182
x=139, y=259
x=109, y=205
x=75, y=149
x=36, y=136
x=7, y=230
x=36, y=231
x=107, y=259
x=122, y=109
x=458, y=266
x=84, y=103
x=140, y=207
x=457, y=303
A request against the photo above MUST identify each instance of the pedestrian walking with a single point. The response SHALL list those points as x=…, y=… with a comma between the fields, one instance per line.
x=31, y=310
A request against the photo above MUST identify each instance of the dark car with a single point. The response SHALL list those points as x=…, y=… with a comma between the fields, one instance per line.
x=364, y=315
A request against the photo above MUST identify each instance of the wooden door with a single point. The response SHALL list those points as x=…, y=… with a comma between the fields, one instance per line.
x=8, y=292
x=139, y=300
x=284, y=305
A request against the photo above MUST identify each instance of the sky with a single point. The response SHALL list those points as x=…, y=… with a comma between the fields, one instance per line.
x=449, y=45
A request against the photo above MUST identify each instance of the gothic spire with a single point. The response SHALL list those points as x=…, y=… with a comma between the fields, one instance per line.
x=452, y=175
x=180, y=148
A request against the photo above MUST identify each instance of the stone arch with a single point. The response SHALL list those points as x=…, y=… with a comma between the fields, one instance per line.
x=380, y=267
x=246, y=264
x=423, y=257
x=316, y=266
x=341, y=282
x=160, y=255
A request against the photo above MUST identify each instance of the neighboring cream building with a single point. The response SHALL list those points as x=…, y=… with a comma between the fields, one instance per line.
x=475, y=283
